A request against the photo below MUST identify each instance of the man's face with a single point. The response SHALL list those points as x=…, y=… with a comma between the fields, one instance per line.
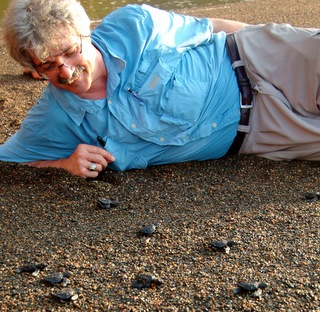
x=71, y=68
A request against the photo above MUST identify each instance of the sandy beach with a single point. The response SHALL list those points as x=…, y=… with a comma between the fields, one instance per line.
x=49, y=217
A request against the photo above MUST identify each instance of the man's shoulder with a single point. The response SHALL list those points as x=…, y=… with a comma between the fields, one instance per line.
x=46, y=111
x=127, y=14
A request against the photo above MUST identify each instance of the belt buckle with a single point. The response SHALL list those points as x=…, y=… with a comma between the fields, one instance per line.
x=245, y=105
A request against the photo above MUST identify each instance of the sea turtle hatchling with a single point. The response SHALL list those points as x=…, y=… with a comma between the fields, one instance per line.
x=254, y=287
x=222, y=245
x=146, y=281
x=33, y=268
x=149, y=230
x=312, y=196
x=67, y=294
x=57, y=278
x=106, y=203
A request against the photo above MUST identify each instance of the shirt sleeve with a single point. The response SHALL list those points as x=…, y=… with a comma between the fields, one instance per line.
x=134, y=29
x=27, y=145
x=177, y=30
x=13, y=150
x=42, y=136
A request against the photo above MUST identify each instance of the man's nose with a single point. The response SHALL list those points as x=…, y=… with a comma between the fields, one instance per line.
x=65, y=71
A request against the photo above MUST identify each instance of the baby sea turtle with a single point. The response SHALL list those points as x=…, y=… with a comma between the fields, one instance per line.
x=146, y=281
x=254, y=287
x=106, y=203
x=312, y=196
x=57, y=278
x=149, y=230
x=222, y=245
x=33, y=268
x=67, y=294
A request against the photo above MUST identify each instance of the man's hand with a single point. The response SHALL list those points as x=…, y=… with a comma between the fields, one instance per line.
x=78, y=163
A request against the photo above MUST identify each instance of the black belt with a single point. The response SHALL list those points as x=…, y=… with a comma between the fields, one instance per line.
x=245, y=91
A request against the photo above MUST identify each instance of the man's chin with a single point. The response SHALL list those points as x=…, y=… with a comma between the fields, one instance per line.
x=78, y=87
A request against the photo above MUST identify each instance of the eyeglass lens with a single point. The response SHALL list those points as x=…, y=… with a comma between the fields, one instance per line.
x=70, y=61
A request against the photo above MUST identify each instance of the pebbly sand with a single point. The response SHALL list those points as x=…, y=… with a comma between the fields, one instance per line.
x=48, y=216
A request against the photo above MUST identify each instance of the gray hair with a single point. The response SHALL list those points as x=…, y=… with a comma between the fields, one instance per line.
x=36, y=27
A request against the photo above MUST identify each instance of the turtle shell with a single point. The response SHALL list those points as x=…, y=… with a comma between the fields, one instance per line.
x=56, y=278
x=146, y=281
x=67, y=294
x=254, y=287
x=106, y=203
x=219, y=244
x=149, y=229
x=33, y=268
x=249, y=286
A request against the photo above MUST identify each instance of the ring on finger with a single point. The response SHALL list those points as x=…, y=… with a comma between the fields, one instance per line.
x=92, y=167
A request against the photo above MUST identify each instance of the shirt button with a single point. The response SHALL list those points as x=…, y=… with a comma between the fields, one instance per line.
x=110, y=102
x=214, y=124
x=186, y=137
x=133, y=126
x=162, y=139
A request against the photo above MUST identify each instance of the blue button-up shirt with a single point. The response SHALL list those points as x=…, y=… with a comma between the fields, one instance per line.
x=172, y=96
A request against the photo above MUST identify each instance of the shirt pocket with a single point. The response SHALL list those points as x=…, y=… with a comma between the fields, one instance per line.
x=184, y=101
x=153, y=89
x=177, y=99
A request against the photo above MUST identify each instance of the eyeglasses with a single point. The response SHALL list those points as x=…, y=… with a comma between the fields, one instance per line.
x=71, y=60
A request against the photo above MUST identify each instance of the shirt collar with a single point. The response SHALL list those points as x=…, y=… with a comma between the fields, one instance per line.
x=77, y=107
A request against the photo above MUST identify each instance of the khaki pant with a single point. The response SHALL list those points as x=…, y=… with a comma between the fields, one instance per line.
x=283, y=64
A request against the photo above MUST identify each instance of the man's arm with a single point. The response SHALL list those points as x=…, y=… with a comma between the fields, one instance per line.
x=79, y=161
x=227, y=26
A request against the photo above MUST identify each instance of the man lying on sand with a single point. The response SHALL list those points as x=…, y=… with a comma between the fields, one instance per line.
x=149, y=87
